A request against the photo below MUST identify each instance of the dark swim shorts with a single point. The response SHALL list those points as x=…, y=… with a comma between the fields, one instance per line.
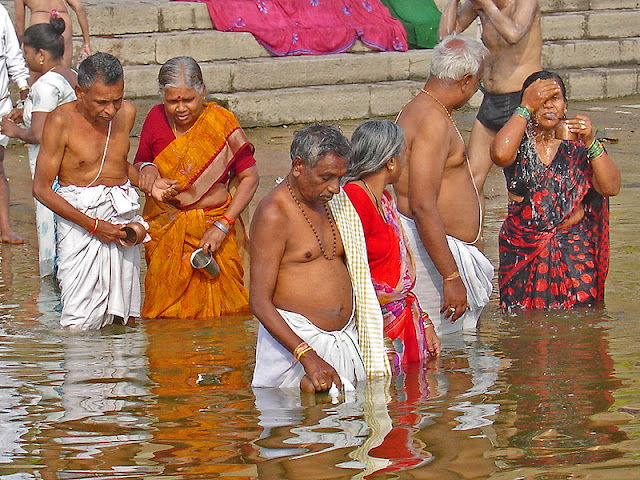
x=497, y=108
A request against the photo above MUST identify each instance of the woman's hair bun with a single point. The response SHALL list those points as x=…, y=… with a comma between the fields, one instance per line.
x=57, y=24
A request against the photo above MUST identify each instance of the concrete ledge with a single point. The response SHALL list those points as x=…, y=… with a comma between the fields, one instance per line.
x=297, y=105
x=595, y=83
x=588, y=53
x=346, y=68
x=613, y=23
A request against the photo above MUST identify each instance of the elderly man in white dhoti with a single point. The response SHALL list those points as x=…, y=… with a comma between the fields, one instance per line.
x=439, y=201
x=321, y=323
x=85, y=145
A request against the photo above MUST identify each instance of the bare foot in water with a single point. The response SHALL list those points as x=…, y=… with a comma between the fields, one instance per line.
x=13, y=238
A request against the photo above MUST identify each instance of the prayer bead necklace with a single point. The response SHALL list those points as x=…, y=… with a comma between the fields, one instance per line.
x=332, y=224
x=466, y=158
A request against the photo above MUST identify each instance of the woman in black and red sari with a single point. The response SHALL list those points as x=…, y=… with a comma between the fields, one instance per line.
x=554, y=243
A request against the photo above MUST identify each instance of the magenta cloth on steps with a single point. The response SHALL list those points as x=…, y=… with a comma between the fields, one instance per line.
x=310, y=27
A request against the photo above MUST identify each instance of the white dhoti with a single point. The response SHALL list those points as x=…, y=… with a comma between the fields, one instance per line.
x=276, y=366
x=476, y=272
x=98, y=280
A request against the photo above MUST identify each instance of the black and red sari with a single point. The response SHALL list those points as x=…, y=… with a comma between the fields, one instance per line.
x=541, y=265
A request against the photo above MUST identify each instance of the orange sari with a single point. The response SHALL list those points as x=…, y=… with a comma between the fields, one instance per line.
x=198, y=160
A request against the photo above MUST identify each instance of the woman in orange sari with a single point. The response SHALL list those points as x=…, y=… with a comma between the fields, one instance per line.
x=202, y=148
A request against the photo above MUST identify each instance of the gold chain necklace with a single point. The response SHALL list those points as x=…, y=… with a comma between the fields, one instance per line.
x=447, y=112
x=378, y=206
x=332, y=224
x=473, y=180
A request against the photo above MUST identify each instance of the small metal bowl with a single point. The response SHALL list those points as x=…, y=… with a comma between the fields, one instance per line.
x=563, y=132
x=135, y=234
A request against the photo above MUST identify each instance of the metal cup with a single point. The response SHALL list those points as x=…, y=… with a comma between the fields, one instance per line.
x=205, y=262
x=563, y=132
x=135, y=234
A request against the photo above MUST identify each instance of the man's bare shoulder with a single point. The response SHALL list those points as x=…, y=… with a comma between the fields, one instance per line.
x=63, y=114
x=272, y=209
x=423, y=120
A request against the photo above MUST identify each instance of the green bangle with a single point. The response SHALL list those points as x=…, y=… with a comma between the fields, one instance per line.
x=523, y=111
x=595, y=150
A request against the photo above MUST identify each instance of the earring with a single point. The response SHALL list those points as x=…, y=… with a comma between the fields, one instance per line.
x=41, y=60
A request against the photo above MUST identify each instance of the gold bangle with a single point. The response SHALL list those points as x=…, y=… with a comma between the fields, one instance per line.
x=22, y=89
x=453, y=276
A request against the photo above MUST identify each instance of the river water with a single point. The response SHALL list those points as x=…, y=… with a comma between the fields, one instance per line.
x=544, y=395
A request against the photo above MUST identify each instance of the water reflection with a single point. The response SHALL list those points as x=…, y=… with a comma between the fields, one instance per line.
x=560, y=376
x=389, y=425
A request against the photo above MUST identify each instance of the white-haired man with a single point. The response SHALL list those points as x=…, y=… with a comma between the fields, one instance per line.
x=436, y=193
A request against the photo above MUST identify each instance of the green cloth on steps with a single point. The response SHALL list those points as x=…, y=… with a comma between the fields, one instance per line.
x=420, y=19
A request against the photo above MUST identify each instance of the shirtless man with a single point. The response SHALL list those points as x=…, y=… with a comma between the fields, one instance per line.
x=41, y=12
x=439, y=205
x=511, y=31
x=300, y=287
x=85, y=145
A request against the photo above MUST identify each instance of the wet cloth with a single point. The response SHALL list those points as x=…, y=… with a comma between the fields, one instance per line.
x=276, y=366
x=393, y=272
x=45, y=95
x=542, y=265
x=420, y=19
x=475, y=270
x=310, y=27
x=211, y=152
x=497, y=108
x=368, y=313
x=98, y=280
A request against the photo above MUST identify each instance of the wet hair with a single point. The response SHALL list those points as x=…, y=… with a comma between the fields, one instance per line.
x=456, y=56
x=544, y=75
x=373, y=144
x=100, y=66
x=47, y=36
x=178, y=72
x=315, y=141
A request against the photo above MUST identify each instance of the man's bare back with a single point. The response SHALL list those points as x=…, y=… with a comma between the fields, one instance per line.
x=427, y=128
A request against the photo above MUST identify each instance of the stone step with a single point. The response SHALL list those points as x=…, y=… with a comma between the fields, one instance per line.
x=289, y=72
x=549, y=6
x=565, y=54
x=385, y=99
x=212, y=45
x=594, y=24
x=601, y=82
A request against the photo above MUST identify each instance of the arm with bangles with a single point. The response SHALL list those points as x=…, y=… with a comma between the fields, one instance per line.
x=504, y=148
x=428, y=156
x=269, y=231
x=215, y=235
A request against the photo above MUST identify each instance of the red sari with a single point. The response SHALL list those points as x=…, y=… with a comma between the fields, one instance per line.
x=541, y=264
x=393, y=273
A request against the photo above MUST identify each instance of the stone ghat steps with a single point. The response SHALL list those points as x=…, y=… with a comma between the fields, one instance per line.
x=593, y=43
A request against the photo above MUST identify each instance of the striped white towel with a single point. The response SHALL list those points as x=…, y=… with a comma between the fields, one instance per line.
x=368, y=313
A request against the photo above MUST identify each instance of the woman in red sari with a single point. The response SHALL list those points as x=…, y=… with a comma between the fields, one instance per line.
x=554, y=243
x=202, y=148
x=377, y=160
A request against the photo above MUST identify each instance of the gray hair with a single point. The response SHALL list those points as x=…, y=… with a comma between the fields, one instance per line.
x=373, y=144
x=99, y=66
x=180, y=72
x=456, y=56
x=317, y=140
